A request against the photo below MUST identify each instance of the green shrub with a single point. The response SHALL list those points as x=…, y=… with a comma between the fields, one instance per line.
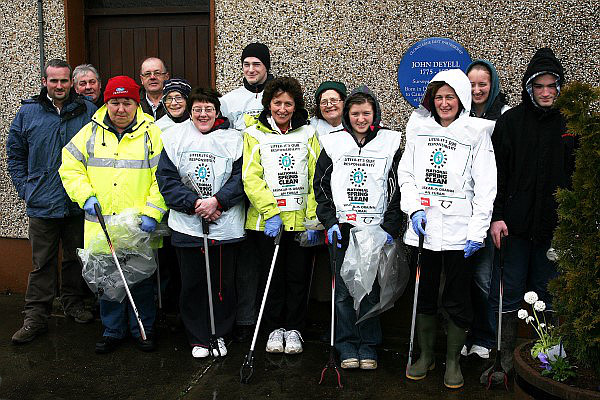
x=577, y=238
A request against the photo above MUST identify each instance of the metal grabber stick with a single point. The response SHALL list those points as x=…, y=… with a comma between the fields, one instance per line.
x=332, y=364
x=213, y=343
x=247, y=368
x=497, y=367
x=415, y=299
x=114, y=255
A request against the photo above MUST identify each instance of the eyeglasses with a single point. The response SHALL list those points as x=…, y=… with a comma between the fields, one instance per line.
x=199, y=110
x=333, y=102
x=155, y=73
x=176, y=99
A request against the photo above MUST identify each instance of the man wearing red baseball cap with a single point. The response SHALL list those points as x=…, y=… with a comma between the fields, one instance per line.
x=112, y=162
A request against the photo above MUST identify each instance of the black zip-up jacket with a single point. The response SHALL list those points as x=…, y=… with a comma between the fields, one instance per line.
x=534, y=157
x=392, y=218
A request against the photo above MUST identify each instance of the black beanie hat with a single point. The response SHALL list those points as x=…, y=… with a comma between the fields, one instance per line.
x=179, y=85
x=327, y=85
x=259, y=51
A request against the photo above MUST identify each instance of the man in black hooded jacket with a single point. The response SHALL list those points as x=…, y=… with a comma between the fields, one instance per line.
x=534, y=157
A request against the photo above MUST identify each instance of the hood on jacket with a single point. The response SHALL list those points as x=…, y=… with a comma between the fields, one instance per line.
x=457, y=80
x=494, y=85
x=346, y=113
x=543, y=62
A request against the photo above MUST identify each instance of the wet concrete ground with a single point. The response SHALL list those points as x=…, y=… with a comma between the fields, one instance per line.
x=62, y=365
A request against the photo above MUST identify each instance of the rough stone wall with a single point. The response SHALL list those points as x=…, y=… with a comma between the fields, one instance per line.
x=355, y=41
x=20, y=78
x=362, y=42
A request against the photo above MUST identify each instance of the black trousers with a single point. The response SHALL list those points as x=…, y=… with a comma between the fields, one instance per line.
x=287, y=297
x=193, y=302
x=456, y=294
x=45, y=235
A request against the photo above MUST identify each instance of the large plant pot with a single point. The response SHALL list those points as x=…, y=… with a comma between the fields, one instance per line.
x=530, y=384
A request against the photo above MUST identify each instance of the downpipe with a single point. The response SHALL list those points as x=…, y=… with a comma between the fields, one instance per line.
x=40, y=9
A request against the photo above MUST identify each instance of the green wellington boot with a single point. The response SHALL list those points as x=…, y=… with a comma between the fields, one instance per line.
x=426, y=330
x=453, y=378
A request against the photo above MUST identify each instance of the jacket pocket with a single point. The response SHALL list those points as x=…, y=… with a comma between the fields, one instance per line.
x=33, y=184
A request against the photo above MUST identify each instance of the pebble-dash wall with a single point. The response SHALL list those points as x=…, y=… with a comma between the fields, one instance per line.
x=355, y=41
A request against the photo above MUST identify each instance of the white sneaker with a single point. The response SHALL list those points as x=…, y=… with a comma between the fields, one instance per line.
x=481, y=351
x=199, y=352
x=275, y=342
x=293, y=342
x=464, y=351
x=222, y=348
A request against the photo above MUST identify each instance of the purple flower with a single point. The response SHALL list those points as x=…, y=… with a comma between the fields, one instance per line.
x=543, y=357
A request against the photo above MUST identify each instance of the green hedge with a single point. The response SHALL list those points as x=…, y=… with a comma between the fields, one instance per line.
x=577, y=238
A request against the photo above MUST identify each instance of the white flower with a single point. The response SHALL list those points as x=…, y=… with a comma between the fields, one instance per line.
x=529, y=319
x=539, y=305
x=522, y=314
x=530, y=297
x=542, y=325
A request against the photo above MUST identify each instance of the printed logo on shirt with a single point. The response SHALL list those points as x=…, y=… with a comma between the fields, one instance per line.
x=351, y=217
x=425, y=201
x=281, y=202
x=358, y=177
x=286, y=160
x=202, y=172
x=438, y=158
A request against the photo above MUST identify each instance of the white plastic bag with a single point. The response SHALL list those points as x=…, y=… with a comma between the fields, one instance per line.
x=134, y=249
x=367, y=258
x=361, y=260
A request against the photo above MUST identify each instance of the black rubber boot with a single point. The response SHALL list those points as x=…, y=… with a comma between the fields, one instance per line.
x=426, y=330
x=457, y=336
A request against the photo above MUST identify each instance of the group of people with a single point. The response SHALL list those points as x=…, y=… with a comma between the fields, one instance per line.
x=250, y=166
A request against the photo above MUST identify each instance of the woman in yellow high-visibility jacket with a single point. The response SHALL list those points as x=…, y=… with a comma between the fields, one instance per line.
x=112, y=162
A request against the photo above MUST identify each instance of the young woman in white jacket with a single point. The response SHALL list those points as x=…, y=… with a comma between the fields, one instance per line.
x=447, y=179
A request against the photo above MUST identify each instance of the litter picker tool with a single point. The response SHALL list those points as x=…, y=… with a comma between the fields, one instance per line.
x=415, y=299
x=497, y=367
x=114, y=255
x=332, y=364
x=213, y=345
x=247, y=368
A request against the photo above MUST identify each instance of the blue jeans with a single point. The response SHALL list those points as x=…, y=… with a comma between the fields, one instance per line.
x=526, y=268
x=482, y=328
x=115, y=316
x=351, y=340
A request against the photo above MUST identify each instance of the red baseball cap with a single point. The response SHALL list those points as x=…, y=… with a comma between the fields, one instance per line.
x=122, y=87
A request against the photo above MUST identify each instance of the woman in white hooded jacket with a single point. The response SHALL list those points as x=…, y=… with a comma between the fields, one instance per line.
x=447, y=179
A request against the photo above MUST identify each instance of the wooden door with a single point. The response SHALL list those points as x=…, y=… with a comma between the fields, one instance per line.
x=117, y=44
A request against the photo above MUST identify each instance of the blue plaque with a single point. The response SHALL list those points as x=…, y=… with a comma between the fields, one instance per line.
x=423, y=60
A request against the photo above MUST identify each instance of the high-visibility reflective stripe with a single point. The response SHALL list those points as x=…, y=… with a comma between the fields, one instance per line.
x=89, y=146
x=114, y=163
x=71, y=148
x=156, y=208
x=154, y=161
x=93, y=218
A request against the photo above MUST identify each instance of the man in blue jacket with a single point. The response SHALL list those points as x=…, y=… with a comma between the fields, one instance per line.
x=42, y=126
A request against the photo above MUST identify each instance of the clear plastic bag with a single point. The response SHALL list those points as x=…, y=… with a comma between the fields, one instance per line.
x=134, y=249
x=367, y=258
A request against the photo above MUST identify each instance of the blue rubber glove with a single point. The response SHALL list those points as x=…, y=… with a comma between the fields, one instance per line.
x=471, y=247
x=88, y=206
x=313, y=237
x=272, y=225
x=389, y=239
x=335, y=228
x=148, y=224
x=417, y=222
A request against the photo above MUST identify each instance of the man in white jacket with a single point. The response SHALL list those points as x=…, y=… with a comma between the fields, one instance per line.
x=239, y=106
x=447, y=179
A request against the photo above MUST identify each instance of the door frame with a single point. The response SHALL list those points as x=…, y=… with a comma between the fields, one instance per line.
x=75, y=28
